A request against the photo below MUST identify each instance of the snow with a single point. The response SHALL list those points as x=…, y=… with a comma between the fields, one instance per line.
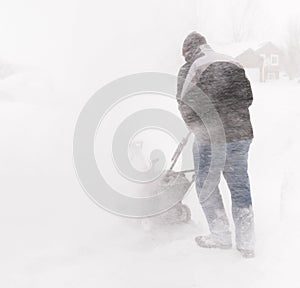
x=54, y=236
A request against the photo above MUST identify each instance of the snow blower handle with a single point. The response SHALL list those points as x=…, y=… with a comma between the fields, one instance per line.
x=179, y=149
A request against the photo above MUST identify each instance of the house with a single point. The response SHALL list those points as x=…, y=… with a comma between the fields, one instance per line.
x=273, y=61
x=253, y=64
x=262, y=64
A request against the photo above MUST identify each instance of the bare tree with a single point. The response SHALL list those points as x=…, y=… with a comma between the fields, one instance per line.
x=293, y=47
x=202, y=14
x=242, y=16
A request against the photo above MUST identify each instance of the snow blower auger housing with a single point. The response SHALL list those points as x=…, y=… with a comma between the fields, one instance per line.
x=175, y=180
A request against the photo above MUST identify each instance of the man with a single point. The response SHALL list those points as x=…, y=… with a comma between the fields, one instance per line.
x=223, y=81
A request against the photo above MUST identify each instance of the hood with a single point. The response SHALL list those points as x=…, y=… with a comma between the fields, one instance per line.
x=191, y=46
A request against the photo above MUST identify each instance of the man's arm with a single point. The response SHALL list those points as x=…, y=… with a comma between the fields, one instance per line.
x=189, y=116
x=246, y=91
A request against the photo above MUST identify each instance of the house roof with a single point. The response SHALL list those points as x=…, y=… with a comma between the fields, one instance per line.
x=236, y=49
x=268, y=46
x=250, y=59
x=248, y=53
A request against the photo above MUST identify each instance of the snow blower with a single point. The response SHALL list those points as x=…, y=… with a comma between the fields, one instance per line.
x=175, y=180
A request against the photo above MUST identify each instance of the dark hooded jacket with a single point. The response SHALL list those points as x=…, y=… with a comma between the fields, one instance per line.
x=223, y=80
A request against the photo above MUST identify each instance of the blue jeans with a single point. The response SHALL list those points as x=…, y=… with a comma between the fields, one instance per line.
x=236, y=175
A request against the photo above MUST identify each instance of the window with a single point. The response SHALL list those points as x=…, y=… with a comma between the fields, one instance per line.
x=274, y=59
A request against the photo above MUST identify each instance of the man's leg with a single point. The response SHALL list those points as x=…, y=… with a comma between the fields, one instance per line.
x=212, y=204
x=236, y=174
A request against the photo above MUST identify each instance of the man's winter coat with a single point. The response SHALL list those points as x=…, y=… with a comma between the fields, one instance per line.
x=224, y=81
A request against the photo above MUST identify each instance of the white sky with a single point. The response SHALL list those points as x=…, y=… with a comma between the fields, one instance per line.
x=270, y=22
x=141, y=35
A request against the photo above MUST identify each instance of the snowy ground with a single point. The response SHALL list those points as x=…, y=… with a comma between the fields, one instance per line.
x=52, y=235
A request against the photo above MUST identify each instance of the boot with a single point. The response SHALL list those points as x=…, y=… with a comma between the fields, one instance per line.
x=214, y=241
x=246, y=253
x=244, y=230
x=220, y=236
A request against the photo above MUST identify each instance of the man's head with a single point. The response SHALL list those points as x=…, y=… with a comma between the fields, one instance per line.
x=192, y=43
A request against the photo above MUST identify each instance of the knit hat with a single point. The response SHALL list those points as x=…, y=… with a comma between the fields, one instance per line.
x=192, y=42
